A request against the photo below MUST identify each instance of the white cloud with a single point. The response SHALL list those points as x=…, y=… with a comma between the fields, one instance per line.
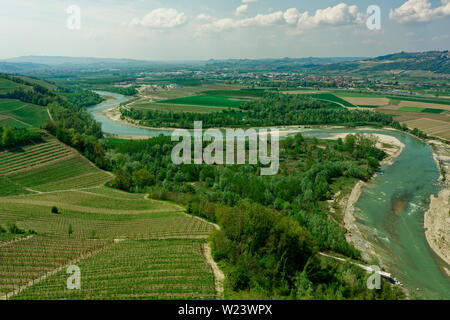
x=262, y=20
x=340, y=14
x=291, y=16
x=161, y=18
x=241, y=10
x=259, y=20
x=419, y=11
x=249, y=1
x=204, y=16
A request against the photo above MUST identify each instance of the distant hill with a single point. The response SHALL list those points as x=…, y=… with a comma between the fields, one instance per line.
x=432, y=61
x=275, y=65
x=71, y=61
x=44, y=64
x=21, y=67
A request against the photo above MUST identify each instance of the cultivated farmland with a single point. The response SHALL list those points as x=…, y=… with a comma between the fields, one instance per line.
x=177, y=108
x=127, y=246
x=104, y=213
x=25, y=261
x=8, y=85
x=146, y=269
x=208, y=101
x=15, y=113
x=431, y=127
x=49, y=166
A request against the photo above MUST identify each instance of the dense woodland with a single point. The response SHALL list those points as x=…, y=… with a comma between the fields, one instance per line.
x=80, y=97
x=126, y=91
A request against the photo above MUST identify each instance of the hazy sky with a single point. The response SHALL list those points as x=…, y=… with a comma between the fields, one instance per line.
x=204, y=29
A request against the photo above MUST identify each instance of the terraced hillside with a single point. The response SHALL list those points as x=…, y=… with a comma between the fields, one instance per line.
x=48, y=166
x=7, y=85
x=127, y=246
x=101, y=212
x=18, y=114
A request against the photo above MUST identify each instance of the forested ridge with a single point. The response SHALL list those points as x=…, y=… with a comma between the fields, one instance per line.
x=274, y=109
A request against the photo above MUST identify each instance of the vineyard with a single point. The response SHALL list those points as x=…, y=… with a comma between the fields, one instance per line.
x=48, y=166
x=7, y=85
x=101, y=216
x=15, y=113
x=22, y=262
x=128, y=246
x=145, y=269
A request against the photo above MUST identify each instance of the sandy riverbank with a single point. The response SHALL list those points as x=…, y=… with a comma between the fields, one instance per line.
x=437, y=225
x=437, y=218
x=113, y=114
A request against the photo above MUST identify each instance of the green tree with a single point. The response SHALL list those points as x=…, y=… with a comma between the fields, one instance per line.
x=8, y=137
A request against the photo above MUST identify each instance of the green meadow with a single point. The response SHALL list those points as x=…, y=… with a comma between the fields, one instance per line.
x=423, y=110
x=208, y=101
x=331, y=98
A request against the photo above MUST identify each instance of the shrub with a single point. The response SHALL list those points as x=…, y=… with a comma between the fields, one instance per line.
x=14, y=229
x=55, y=210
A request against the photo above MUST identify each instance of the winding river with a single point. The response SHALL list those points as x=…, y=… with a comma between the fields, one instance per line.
x=390, y=212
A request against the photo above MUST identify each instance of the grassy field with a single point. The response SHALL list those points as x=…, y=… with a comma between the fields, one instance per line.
x=242, y=93
x=8, y=85
x=423, y=100
x=15, y=113
x=8, y=187
x=207, y=101
x=328, y=97
x=178, y=108
x=346, y=94
x=146, y=269
x=424, y=110
x=40, y=82
x=431, y=127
